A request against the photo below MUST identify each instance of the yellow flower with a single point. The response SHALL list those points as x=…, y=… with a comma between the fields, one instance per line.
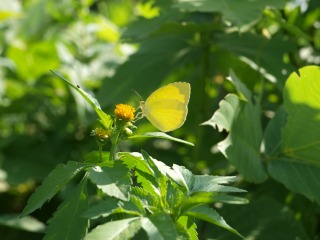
x=101, y=134
x=124, y=112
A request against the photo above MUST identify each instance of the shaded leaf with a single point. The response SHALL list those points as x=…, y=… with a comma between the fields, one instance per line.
x=52, y=184
x=67, y=222
x=159, y=227
x=27, y=223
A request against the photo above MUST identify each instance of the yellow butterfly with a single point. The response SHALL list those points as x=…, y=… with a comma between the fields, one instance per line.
x=167, y=107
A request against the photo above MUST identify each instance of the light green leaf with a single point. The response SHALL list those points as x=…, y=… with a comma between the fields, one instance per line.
x=115, y=181
x=111, y=206
x=297, y=176
x=147, y=198
x=205, y=183
x=67, y=222
x=161, y=135
x=224, y=117
x=27, y=223
x=197, y=199
x=208, y=214
x=183, y=177
x=230, y=9
x=300, y=136
x=190, y=227
x=116, y=230
x=52, y=184
x=159, y=227
x=240, y=86
x=105, y=119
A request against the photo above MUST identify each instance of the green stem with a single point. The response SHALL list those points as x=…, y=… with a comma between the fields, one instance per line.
x=100, y=152
x=114, y=143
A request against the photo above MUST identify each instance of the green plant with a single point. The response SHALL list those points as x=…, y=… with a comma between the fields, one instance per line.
x=135, y=191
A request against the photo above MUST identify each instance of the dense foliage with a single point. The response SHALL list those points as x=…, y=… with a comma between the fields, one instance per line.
x=252, y=66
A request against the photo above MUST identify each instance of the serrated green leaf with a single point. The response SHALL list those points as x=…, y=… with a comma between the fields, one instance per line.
x=114, y=181
x=189, y=226
x=302, y=104
x=27, y=223
x=183, y=177
x=111, y=206
x=297, y=176
x=146, y=197
x=204, y=183
x=251, y=12
x=224, y=117
x=197, y=199
x=161, y=135
x=159, y=227
x=52, y=184
x=116, y=230
x=67, y=222
x=208, y=214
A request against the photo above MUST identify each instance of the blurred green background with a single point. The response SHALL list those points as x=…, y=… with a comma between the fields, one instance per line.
x=110, y=47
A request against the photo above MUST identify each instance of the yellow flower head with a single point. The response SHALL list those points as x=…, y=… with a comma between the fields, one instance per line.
x=101, y=134
x=124, y=112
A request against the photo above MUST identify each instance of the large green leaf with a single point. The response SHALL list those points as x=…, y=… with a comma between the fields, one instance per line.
x=52, y=184
x=208, y=214
x=297, y=176
x=67, y=222
x=250, y=10
x=159, y=227
x=114, y=181
x=300, y=136
x=297, y=166
x=116, y=230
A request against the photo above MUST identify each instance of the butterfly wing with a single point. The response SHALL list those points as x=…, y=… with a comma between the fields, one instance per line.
x=167, y=107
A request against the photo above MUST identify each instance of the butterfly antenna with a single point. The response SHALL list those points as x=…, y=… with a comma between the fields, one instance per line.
x=137, y=94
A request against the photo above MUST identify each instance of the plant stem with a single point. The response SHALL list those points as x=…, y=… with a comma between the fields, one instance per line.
x=100, y=152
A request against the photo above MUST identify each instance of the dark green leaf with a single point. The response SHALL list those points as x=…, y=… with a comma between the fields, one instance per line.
x=208, y=214
x=52, y=184
x=67, y=222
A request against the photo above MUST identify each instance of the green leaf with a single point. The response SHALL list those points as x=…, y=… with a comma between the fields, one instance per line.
x=114, y=181
x=272, y=134
x=240, y=86
x=189, y=226
x=52, y=184
x=197, y=199
x=116, y=230
x=208, y=214
x=105, y=119
x=302, y=104
x=147, y=198
x=159, y=227
x=251, y=10
x=111, y=206
x=67, y=222
x=224, y=117
x=161, y=135
x=183, y=177
x=297, y=176
x=27, y=223
x=230, y=199
x=205, y=183
x=242, y=146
